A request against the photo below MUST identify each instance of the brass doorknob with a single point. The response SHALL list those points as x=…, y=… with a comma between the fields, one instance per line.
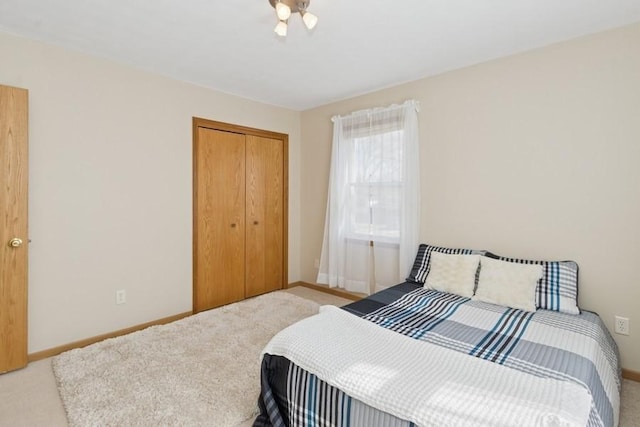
x=15, y=242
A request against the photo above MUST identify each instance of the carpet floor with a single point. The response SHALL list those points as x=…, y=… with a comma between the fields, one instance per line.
x=201, y=370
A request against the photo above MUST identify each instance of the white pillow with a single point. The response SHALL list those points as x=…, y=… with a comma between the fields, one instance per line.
x=508, y=283
x=455, y=274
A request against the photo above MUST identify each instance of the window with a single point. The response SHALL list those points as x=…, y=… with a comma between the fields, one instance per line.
x=375, y=186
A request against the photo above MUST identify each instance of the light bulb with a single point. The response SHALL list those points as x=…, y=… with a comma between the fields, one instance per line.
x=283, y=11
x=281, y=29
x=310, y=20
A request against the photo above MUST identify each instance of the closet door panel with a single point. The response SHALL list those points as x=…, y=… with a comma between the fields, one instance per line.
x=220, y=223
x=265, y=214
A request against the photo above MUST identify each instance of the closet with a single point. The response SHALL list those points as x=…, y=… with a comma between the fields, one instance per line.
x=240, y=212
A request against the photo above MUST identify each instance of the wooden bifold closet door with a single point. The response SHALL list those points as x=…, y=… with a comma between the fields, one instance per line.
x=264, y=213
x=239, y=213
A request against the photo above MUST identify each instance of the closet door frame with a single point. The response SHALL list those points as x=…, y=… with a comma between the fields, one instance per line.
x=228, y=127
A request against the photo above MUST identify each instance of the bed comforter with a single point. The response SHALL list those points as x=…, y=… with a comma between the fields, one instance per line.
x=431, y=358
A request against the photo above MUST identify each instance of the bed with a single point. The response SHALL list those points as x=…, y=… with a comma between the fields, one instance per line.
x=416, y=355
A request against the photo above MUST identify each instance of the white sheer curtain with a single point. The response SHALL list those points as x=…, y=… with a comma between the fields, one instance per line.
x=372, y=219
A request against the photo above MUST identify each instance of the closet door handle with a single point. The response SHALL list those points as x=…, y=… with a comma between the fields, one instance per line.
x=233, y=225
x=255, y=222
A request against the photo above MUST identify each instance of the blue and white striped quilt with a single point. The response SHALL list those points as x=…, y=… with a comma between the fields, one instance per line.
x=537, y=348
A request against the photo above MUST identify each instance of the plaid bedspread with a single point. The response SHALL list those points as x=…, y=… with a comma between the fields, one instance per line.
x=545, y=344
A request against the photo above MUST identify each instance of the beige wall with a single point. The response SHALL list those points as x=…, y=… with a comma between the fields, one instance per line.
x=110, y=188
x=535, y=155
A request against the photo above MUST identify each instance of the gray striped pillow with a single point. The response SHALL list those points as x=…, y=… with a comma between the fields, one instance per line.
x=421, y=265
x=557, y=290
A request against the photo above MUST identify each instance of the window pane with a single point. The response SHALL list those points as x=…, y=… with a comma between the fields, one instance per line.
x=386, y=211
x=378, y=158
x=375, y=184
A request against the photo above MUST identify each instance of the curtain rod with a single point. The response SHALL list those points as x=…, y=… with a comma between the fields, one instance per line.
x=410, y=102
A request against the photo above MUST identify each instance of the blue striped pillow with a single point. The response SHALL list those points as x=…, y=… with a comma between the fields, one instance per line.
x=557, y=290
x=422, y=265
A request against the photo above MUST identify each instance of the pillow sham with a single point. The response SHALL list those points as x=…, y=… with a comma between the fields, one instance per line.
x=421, y=266
x=455, y=274
x=508, y=284
x=557, y=290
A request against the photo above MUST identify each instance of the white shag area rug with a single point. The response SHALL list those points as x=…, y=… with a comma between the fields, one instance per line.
x=203, y=370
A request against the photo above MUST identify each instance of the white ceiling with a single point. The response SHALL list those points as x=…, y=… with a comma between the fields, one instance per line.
x=357, y=47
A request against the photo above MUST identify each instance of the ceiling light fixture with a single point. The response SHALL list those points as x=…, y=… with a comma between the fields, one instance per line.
x=284, y=9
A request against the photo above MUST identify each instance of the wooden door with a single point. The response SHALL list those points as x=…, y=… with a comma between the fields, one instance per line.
x=219, y=226
x=265, y=215
x=13, y=227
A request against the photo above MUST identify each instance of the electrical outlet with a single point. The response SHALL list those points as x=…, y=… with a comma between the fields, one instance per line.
x=121, y=296
x=622, y=325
